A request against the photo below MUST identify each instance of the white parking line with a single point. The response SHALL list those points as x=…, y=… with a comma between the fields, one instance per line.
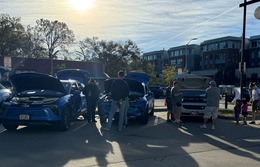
x=156, y=120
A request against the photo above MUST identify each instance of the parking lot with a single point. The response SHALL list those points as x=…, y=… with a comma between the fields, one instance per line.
x=156, y=144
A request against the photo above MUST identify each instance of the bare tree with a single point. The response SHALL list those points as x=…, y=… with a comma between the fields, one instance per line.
x=56, y=35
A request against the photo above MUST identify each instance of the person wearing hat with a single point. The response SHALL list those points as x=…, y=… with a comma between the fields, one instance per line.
x=255, y=96
x=212, y=107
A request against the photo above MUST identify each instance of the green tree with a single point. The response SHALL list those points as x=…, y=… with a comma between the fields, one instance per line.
x=115, y=56
x=168, y=74
x=12, y=36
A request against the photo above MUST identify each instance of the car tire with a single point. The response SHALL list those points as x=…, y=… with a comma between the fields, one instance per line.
x=152, y=112
x=10, y=127
x=144, y=118
x=65, y=122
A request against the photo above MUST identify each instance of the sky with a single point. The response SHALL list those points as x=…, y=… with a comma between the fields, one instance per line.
x=152, y=24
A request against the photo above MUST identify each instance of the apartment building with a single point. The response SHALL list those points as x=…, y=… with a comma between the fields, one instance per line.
x=252, y=59
x=214, y=55
x=177, y=57
x=157, y=58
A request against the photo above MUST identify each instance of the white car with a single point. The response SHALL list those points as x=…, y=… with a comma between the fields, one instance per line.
x=193, y=94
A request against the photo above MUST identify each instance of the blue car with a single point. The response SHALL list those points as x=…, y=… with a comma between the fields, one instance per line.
x=40, y=99
x=141, y=100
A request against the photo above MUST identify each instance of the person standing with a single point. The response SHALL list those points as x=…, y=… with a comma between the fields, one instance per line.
x=176, y=102
x=237, y=110
x=168, y=100
x=244, y=111
x=119, y=95
x=91, y=91
x=255, y=96
x=212, y=107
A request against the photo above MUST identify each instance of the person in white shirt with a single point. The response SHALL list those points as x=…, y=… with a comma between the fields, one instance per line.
x=255, y=96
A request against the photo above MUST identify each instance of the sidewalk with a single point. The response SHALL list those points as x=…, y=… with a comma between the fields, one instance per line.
x=225, y=113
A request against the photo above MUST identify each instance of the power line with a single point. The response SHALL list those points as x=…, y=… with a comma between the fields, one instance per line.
x=192, y=28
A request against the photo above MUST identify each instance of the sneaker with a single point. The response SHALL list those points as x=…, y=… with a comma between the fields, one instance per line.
x=212, y=127
x=252, y=122
x=203, y=126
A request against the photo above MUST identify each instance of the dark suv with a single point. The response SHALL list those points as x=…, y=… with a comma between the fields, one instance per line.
x=157, y=91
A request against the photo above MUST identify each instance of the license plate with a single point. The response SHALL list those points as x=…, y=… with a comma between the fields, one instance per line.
x=194, y=113
x=24, y=117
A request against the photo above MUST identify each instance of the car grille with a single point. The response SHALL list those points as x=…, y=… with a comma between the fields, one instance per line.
x=194, y=107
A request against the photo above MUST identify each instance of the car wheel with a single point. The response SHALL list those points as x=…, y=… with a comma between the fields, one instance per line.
x=144, y=118
x=65, y=120
x=152, y=111
x=10, y=127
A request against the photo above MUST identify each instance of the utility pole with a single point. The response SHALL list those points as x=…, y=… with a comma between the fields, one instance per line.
x=242, y=63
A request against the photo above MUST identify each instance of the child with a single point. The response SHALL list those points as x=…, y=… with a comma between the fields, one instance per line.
x=237, y=110
x=244, y=108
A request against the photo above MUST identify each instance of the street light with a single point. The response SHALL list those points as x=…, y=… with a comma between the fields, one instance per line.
x=186, y=53
x=257, y=13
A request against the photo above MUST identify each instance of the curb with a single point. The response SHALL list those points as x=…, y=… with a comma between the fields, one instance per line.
x=164, y=109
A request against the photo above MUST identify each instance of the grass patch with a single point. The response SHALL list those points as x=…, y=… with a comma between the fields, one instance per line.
x=229, y=113
x=226, y=112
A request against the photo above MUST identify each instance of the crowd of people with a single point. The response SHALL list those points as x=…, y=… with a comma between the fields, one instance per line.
x=174, y=105
x=173, y=100
x=241, y=107
x=119, y=97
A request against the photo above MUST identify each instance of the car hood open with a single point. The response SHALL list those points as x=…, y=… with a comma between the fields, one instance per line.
x=36, y=81
x=190, y=81
x=141, y=77
x=134, y=86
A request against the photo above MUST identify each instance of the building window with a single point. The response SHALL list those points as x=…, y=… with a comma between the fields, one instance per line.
x=179, y=61
x=253, y=44
x=252, y=55
x=223, y=45
x=173, y=62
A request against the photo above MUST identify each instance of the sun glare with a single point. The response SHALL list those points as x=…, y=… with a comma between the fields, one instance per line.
x=81, y=5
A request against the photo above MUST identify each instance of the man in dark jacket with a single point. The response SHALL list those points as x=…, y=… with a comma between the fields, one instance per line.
x=91, y=91
x=119, y=95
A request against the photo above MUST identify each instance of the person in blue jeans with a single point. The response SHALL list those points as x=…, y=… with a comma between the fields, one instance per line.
x=119, y=96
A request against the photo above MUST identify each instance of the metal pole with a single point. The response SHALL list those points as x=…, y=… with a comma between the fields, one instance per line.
x=186, y=53
x=186, y=57
x=243, y=51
